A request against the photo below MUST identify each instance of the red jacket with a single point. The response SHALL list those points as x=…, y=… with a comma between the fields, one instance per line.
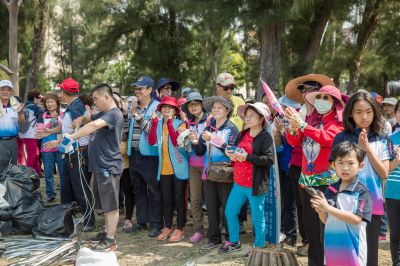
x=316, y=143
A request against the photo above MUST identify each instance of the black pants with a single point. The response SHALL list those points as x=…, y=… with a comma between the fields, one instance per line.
x=372, y=240
x=314, y=230
x=127, y=189
x=143, y=173
x=216, y=197
x=393, y=212
x=294, y=175
x=173, y=195
x=75, y=189
x=288, y=213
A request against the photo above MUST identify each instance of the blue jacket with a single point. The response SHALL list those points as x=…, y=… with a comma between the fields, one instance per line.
x=177, y=155
x=145, y=148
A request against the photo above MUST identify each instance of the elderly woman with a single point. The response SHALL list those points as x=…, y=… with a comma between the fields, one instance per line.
x=316, y=137
x=216, y=136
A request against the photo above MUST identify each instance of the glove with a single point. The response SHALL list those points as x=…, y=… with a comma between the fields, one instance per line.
x=68, y=145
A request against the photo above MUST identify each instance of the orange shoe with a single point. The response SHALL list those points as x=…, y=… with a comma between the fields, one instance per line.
x=177, y=235
x=165, y=233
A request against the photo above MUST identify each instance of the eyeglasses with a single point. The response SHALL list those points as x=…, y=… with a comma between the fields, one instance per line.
x=193, y=104
x=227, y=87
x=319, y=96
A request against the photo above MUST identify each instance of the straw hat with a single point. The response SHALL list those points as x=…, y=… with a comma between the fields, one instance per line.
x=295, y=94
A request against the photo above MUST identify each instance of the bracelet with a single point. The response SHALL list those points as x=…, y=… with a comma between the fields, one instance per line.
x=303, y=126
x=293, y=132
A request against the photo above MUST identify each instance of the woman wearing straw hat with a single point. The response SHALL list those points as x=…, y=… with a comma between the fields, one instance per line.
x=214, y=139
x=316, y=138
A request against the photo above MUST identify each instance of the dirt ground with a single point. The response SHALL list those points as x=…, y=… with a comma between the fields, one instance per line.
x=139, y=249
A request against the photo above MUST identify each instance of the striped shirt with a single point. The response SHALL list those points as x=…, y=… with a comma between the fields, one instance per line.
x=139, y=125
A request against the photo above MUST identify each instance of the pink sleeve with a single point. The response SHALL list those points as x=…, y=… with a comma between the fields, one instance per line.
x=173, y=135
x=153, y=132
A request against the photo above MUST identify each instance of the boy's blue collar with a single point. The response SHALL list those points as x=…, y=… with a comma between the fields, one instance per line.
x=349, y=188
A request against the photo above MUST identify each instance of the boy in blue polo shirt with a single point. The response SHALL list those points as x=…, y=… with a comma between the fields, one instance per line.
x=345, y=209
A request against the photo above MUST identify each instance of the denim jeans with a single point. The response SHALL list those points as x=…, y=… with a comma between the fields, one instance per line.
x=49, y=159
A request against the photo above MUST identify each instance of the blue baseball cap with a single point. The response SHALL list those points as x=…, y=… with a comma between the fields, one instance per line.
x=143, y=82
x=164, y=81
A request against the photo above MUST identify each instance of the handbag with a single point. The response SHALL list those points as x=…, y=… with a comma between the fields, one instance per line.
x=221, y=172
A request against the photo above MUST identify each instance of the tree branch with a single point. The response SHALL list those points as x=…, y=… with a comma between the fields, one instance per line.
x=6, y=69
x=6, y=3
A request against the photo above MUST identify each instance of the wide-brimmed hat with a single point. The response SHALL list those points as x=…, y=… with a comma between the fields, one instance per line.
x=192, y=96
x=171, y=101
x=261, y=108
x=332, y=91
x=285, y=101
x=164, y=81
x=292, y=91
x=208, y=103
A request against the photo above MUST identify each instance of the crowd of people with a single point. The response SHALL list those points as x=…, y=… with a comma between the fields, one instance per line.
x=169, y=156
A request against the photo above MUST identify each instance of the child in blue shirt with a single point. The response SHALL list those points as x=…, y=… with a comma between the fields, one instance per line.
x=345, y=209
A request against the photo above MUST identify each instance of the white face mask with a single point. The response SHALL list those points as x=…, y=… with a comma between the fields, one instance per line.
x=322, y=106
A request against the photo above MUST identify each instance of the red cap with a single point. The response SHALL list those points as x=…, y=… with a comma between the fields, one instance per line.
x=171, y=101
x=69, y=85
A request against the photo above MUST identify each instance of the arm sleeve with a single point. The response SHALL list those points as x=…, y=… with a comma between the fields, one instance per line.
x=144, y=125
x=109, y=118
x=322, y=136
x=233, y=135
x=172, y=133
x=267, y=157
x=293, y=140
x=153, y=132
x=363, y=206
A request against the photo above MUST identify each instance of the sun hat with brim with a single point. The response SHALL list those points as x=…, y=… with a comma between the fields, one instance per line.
x=262, y=109
x=6, y=83
x=391, y=101
x=285, y=101
x=332, y=91
x=192, y=96
x=171, y=101
x=295, y=94
x=164, y=81
x=208, y=103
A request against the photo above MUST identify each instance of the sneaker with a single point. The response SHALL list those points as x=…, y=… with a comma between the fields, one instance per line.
x=154, y=232
x=51, y=199
x=177, y=235
x=229, y=247
x=165, y=233
x=136, y=228
x=210, y=245
x=100, y=236
x=302, y=251
x=107, y=244
x=382, y=238
x=196, y=237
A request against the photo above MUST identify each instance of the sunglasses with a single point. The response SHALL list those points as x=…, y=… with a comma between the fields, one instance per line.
x=226, y=87
x=319, y=97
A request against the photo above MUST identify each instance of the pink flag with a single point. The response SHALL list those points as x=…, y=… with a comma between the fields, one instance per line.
x=272, y=99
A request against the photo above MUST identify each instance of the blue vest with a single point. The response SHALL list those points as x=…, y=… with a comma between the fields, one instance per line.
x=177, y=155
x=144, y=147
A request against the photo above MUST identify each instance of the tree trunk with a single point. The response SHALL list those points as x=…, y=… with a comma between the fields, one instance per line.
x=271, y=44
x=214, y=66
x=369, y=21
x=317, y=29
x=13, y=58
x=37, y=47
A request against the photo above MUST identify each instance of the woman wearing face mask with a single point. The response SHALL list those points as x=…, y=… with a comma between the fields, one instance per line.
x=316, y=137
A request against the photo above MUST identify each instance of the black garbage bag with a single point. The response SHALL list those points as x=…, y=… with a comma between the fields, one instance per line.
x=56, y=221
x=22, y=195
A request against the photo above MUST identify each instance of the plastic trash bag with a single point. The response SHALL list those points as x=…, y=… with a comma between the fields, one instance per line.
x=55, y=221
x=23, y=198
x=88, y=257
